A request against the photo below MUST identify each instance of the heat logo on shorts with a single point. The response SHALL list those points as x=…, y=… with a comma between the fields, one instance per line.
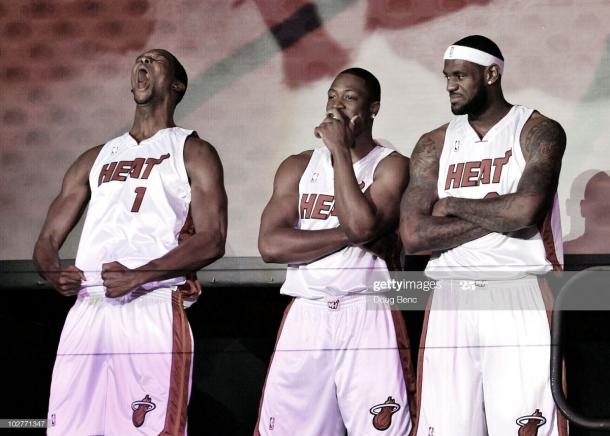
x=382, y=419
x=140, y=409
x=529, y=424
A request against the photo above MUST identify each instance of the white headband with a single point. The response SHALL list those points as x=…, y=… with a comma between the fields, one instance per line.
x=473, y=55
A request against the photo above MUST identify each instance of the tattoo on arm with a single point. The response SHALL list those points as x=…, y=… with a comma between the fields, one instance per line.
x=420, y=231
x=543, y=148
x=441, y=233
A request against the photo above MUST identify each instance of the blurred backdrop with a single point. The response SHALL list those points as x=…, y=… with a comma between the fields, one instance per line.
x=259, y=71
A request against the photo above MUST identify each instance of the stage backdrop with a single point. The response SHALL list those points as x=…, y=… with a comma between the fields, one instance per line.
x=259, y=71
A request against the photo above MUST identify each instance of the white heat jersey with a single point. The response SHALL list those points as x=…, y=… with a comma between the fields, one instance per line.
x=351, y=270
x=140, y=198
x=471, y=167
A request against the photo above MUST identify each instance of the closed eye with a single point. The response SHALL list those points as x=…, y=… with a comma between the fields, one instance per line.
x=151, y=58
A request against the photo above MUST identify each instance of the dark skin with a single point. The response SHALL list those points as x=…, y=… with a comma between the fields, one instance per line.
x=155, y=98
x=364, y=218
x=429, y=224
x=476, y=91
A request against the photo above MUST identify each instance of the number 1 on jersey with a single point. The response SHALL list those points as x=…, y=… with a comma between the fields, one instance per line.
x=140, y=191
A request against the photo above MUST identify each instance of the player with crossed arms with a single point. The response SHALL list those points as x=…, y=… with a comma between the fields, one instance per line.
x=482, y=198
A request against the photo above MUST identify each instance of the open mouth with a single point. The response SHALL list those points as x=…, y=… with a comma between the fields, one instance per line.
x=142, y=78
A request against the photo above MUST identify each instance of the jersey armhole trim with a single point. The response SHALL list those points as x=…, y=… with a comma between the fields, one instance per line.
x=519, y=150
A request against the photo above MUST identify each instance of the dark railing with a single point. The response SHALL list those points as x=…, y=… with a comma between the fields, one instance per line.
x=586, y=276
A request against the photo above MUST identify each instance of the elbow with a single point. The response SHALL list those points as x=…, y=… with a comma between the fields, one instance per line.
x=360, y=232
x=538, y=213
x=215, y=249
x=532, y=211
x=411, y=242
x=268, y=256
x=268, y=250
x=219, y=251
x=522, y=222
x=359, y=236
x=219, y=244
x=35, y=253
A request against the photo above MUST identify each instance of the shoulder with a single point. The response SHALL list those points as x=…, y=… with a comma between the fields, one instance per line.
x=91, y=154
x=291, y=170
x=430, y=144
x=438, y=133
x=201, y=160
x=87, y=158
x=394, y=169
x=194, y=144
x=199, y=150
x=394, y=162
x=296, y=162
x=540, y=130
x=78, y=173
x=537, y=122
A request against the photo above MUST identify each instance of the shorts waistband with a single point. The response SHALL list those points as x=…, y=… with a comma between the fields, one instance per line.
x=99, y=293
x=336, y=303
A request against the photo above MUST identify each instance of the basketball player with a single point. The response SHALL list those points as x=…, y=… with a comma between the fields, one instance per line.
x=482, y=200
x=336, y=365
x=125, y=356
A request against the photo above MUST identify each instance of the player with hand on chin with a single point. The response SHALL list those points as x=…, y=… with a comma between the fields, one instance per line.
x=337, y=363
x=125, y=356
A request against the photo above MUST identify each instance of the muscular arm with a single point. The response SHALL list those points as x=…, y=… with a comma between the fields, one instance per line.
x=420, y=231
x=366, y=216
x=278, y=240
x=209, y=214
x=543, y=143
x=63, y=214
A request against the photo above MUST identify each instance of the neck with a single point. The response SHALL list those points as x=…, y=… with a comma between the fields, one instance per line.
x=495, y=109
x=149, y=119
x=362, y=146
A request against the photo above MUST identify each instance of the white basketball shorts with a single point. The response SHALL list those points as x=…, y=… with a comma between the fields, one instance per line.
x=337, y=365
x=123, y=367
x=484, y=365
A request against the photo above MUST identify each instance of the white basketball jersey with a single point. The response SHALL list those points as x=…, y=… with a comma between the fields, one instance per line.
x=471, y=167
x=140, y=198
x=351, y=270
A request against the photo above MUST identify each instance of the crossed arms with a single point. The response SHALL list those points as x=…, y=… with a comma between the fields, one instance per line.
x=364, y=218
x=429, y=224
